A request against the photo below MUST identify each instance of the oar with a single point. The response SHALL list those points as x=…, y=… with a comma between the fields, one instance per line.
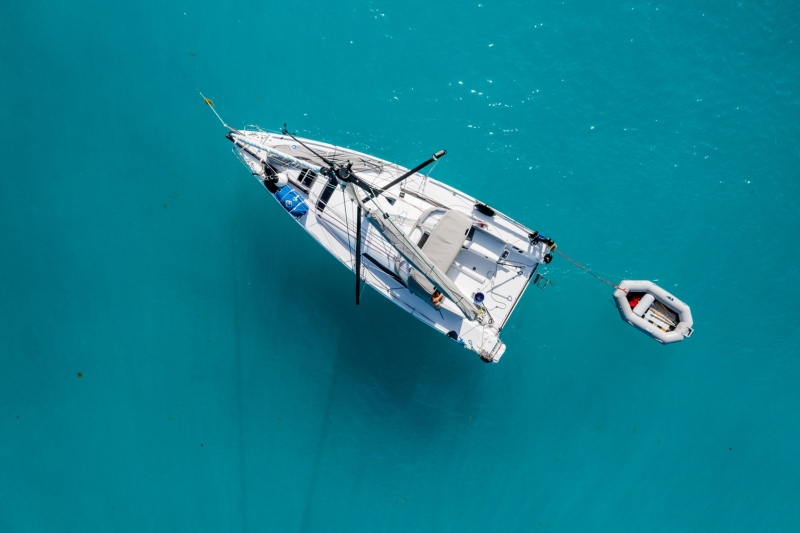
x=662, y=316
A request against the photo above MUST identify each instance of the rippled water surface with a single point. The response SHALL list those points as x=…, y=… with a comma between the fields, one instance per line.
x=178, y=356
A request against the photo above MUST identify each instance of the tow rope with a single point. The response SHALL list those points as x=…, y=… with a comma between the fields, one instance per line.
x=565, y=256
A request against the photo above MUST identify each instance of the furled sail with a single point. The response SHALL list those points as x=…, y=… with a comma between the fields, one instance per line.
x=240, y=140
x=421, y=263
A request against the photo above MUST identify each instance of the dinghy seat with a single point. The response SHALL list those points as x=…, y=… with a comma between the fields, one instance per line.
x=644, y=304
x=443, y=244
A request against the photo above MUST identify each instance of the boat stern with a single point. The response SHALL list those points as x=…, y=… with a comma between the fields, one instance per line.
x=493, y=355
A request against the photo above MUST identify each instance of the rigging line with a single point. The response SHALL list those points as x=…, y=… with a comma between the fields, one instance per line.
x=301, y=143
x=347, y=226
x=325, y=232
x=494, y=297
x=335, y=219
x=565, y=256
x=210, y=104
x=506, y=262
x=491, y=318
x=435, y=164
x=378, y=246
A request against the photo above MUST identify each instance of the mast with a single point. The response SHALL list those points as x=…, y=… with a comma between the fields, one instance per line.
x=434, y=157
x=410, y=251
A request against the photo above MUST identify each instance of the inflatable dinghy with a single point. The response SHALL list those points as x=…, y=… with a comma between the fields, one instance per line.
x=648, y=307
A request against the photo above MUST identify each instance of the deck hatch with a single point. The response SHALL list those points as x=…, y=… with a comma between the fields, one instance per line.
x=327, y=192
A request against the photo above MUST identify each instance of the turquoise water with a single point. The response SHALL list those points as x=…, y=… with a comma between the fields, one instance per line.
x=178, y=356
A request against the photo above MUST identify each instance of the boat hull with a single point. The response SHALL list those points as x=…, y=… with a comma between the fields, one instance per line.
x=497, y=259
x=651, y=309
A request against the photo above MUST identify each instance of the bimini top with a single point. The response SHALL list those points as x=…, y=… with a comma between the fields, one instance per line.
x=444, y=243
x=434, y=276
x=648, y=307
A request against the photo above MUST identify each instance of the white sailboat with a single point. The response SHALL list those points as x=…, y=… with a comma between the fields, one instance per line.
x=439, y=254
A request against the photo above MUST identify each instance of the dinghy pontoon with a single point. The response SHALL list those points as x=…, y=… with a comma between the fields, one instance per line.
x=648, y=307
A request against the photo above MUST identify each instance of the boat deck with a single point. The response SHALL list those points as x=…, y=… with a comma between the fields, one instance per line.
x=497, y=258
